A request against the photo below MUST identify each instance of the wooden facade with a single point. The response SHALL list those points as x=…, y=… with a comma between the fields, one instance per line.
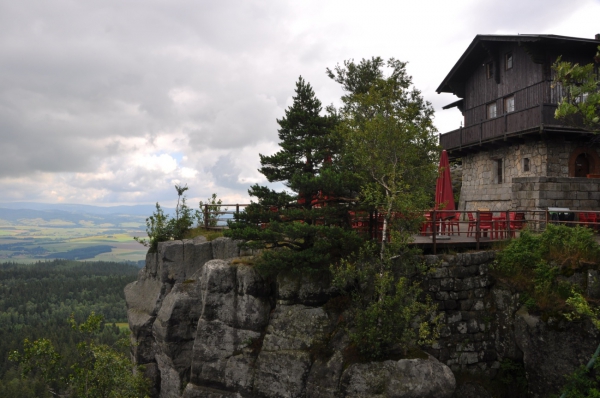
x=505, y=86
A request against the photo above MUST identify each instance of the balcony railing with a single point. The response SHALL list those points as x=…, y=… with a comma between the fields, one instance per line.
x=535, y=107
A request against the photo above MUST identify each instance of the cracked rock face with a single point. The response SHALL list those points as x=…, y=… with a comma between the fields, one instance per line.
x=206, y=327
x=552, y=350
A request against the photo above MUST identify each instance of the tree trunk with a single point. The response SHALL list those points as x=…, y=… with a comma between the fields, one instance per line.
x=386, y=219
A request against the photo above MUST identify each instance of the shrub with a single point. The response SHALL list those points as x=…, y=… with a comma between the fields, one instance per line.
x=534, y=262
x=210, y=216
x=390, y=313
x=161, y=228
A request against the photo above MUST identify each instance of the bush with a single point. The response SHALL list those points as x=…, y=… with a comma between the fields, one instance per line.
x=210, y=216
x=161, y=228
x=390, y=313
x=533, y=263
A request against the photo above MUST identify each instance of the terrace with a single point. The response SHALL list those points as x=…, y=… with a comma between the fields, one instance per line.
x=534, y=113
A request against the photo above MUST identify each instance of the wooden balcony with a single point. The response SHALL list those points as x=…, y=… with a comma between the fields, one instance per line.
x=535, y=114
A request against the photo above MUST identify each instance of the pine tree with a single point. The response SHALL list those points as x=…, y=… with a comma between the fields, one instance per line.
x=307, y=228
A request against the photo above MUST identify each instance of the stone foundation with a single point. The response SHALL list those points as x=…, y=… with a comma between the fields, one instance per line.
x=539, y=193
x=548, y=161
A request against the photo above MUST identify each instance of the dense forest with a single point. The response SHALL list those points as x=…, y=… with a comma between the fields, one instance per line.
x=37, y=300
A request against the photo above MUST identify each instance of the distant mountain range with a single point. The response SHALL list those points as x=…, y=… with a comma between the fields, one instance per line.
x=71, y=213
x=133, y=210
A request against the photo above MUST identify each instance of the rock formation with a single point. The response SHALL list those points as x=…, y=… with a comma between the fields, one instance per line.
x=205, y=325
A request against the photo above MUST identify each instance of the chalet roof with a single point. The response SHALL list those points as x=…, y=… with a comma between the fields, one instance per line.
x=483, y=46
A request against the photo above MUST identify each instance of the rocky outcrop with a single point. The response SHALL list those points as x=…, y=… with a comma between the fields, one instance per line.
x=204, y=326
x=552, y=350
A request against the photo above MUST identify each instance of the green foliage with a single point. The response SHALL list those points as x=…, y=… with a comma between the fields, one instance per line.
x=161, y=228
x=41, y=356
x=583, y=383
x=582, y=309
x=35, y=303
x=157, y=229
x=581, y=87
x=513, y=377
x=209, y=212
x=533, y=262
x=184, y=218
x=100, y=372
x=389, y=312
x=389, y=137
x=291, y=228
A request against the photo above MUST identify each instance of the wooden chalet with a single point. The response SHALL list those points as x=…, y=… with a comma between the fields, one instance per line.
x=515, y=154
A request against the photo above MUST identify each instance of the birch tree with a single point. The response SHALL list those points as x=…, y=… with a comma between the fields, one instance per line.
x=389, y=136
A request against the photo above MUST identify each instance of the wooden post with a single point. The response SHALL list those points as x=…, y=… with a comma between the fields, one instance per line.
x=508, y=224
x=237, y=209
x=477, y=230
x=433, y=231
x=547, y=217
x=206, y=216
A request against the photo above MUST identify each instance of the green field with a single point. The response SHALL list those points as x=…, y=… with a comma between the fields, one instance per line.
x=30, y=240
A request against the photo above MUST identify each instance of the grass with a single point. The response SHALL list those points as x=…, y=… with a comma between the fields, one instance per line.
x=209, y=234
x=62, y=239
x=124, y=326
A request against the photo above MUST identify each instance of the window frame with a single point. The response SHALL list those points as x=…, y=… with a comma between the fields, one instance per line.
x=526, y=165
x=489, y=106
x=499, y=170
x=506, y=101
x=509, y=57
x=489, y=70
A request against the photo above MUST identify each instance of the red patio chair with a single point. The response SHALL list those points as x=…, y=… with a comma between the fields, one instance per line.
x=472, y=224
x=500, y=226
x=517, y=222
x=593, y=220
x=486, y=223
x=454, y=222
x=583, y=220
x=428, y=224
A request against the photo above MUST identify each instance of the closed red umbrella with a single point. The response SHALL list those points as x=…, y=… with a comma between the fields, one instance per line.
x=444, y=198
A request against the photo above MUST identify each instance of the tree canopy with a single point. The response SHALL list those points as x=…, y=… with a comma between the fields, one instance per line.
x=306, y=227
x=581, y=92
x=389, y=137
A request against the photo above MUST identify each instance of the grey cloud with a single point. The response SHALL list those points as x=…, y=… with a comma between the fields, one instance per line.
x=518, y=16
x=226, y=173
x=80, y=73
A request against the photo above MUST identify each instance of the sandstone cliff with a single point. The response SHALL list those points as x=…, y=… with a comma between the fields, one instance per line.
x=205, y=326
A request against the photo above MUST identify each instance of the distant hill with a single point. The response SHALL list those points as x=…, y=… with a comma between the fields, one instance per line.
x=133, y=210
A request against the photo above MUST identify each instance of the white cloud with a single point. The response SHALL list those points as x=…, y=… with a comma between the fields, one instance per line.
x=112, y=101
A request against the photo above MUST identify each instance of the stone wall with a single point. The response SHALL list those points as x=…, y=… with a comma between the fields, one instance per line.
x=542, y=192
x=463, y=290
x=547, y=158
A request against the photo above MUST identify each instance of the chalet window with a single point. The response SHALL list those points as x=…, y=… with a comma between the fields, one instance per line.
x=508, y=61
x=491, y=110
x=489, y=70
x=509, y=104
x=525, y=164
x=498, y=170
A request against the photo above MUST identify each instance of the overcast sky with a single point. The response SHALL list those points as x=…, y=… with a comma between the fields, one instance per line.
x=113, y=102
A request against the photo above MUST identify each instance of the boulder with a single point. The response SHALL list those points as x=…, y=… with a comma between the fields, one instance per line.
x=406, y=378
x=552, y=350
